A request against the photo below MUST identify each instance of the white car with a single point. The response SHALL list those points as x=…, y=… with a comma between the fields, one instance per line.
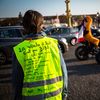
x=65, y=42
x=63, y=45
x=69, y=33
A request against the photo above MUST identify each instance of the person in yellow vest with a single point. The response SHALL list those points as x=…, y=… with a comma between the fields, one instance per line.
x=39, y=70
x=87, y=32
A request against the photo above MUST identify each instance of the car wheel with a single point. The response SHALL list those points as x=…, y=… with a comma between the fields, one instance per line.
x=73, y=41
x=3, y=58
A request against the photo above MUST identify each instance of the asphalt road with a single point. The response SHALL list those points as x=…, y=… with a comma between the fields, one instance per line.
x=81, y=74
x=83, y=77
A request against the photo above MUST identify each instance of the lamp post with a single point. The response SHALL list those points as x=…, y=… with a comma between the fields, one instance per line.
x=98, y=18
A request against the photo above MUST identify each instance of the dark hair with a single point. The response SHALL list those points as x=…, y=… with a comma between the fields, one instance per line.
x=85, y=19
x=32, y=21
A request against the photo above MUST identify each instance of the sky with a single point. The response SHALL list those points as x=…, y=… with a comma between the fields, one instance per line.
x=11, y=8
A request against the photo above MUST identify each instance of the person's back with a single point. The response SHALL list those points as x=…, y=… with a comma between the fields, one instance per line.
x=41, y=72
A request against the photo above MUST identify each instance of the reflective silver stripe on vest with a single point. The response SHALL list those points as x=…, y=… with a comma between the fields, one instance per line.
x=42, y=96
x=42, y=83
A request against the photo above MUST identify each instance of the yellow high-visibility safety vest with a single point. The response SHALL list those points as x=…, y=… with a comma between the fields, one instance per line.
x=40, y=61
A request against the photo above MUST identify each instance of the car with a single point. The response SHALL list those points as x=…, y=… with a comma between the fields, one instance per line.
x=64, y=44
x=96, y=32
x=9, y=36
x=69, y=33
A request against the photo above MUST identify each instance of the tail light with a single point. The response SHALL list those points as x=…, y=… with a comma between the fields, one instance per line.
x=82, y=39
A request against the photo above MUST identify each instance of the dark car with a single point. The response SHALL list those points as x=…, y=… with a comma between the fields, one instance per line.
x=69, y=33
x=96, y=32
x=9, y=36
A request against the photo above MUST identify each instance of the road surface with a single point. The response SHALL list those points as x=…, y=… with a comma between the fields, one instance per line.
x=84, y=78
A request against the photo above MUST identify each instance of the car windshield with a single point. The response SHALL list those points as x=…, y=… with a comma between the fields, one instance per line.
x=73, y=30
x=65, y=30
x=60, y=30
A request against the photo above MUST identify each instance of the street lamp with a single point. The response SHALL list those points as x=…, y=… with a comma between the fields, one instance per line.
x=98, y=18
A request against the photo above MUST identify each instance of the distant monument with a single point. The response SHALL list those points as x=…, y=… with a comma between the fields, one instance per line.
x=68, y=12
x=20, y=17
